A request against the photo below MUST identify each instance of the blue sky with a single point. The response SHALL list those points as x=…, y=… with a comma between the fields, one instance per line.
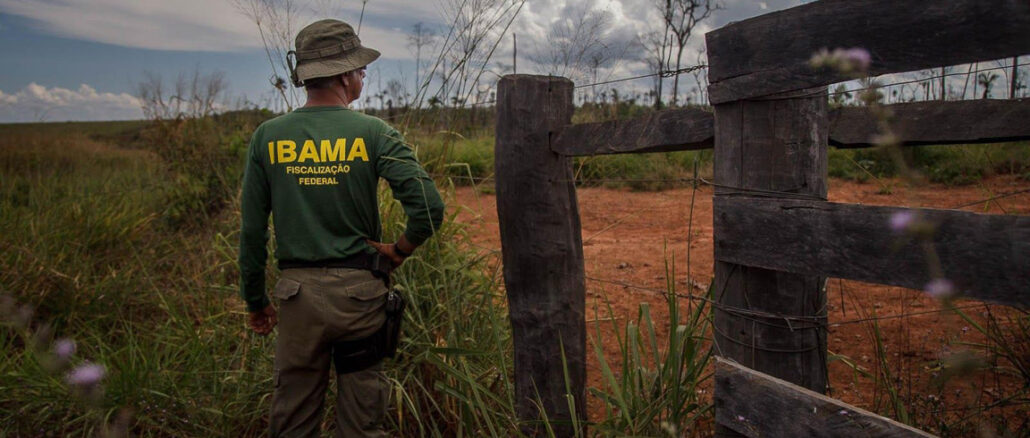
x=31, y=53
x=79, y=60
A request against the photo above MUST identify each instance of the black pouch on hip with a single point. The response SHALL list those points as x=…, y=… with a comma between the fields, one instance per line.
x=394, y=317
x=359, y=354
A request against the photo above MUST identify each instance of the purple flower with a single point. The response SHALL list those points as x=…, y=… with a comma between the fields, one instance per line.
x=87, y=374
x=902, y=221
x=858, y=57
x=940, y=288
x=64, y=348
x=843, y=412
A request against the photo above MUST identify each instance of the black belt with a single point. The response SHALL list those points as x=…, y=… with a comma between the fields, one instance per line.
x=378, y=264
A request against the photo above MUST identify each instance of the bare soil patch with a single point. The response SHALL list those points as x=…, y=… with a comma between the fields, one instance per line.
x=629, y=237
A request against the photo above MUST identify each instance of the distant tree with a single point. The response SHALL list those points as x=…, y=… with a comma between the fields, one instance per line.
x=477, y=27
x=839, y=96
x=395, y=91
x=1014, y=78
x=576, y=45
x=420, y=37
x=193, y=96
x=656, y=48
x=681, y=17
x=701, y=75
x=987, y=81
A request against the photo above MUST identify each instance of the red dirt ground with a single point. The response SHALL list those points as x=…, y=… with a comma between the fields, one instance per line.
x=627, y=237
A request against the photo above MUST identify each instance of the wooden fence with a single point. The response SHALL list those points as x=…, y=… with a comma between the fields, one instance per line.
x=776, y=236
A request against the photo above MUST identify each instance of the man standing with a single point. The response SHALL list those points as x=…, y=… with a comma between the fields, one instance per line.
x=316, y=170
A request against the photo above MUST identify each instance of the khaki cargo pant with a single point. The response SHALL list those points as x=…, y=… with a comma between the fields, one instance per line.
x=317, y=307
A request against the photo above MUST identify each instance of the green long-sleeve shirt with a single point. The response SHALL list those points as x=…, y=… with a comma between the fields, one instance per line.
x=316, y=170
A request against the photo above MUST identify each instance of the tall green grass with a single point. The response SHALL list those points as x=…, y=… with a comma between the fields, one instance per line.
x=87, y=243
x=85, y=246
x=946, y=164
x=656, y=389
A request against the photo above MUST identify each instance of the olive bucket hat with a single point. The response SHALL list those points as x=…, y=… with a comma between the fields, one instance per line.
x=327, y=48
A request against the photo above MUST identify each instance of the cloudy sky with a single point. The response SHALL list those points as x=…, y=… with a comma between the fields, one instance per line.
x=79, y=60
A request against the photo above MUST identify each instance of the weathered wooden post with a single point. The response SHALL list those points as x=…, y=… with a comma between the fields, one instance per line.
x=773, y=322
x=542, y=249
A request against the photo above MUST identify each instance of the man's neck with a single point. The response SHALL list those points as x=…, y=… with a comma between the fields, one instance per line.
x=327, y=97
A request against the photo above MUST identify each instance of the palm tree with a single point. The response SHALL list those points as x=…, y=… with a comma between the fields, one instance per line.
x=986, y=79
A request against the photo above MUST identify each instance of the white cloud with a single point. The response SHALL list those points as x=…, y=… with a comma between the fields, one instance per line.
x=215, y=25
x=39, y=103
x=150, y=24
x=204, y=25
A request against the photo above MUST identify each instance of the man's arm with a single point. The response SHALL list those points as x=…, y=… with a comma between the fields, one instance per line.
x=415, y=190
x=255, y=208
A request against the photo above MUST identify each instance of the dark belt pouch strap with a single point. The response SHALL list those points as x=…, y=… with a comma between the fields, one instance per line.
x=378, y=264
x=359, y=354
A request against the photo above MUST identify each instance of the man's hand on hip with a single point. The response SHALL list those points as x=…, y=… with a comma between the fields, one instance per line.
x=396, y=252
x=263, y=320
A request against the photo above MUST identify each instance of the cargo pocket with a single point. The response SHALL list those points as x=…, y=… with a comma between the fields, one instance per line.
x=368, y=290
x=285, y=289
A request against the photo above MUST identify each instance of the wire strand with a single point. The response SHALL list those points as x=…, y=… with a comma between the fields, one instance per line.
x=663, y=73
x=993, y=198
x=930, y=78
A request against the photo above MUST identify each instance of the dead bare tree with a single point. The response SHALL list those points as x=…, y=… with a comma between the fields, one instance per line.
x=395, y=92
x=151, y=95
x=477, y=27
x=656, y=46
x=681, y=17
x=701, y=75
x=193, y=96
x=575, y=41
x=421, y=37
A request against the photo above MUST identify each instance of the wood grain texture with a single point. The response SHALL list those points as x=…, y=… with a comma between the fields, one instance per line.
x=927, y=123
x=663, y=131
x=770, y=54
x=775, y=146
x=987, y=257
x=542, y=250
x=916, y=124
x=759, y=405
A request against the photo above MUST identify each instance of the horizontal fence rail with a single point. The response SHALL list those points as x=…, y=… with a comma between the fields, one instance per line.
x=916, y=123
x=928, y=123
x=985, y=256
x=662, y=131
x=770, y=54
x=758, y=405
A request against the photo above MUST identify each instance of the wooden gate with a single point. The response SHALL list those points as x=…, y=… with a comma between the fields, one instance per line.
x=776, y=236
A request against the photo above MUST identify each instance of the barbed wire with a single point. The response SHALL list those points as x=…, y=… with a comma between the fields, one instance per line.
x=704, y=182
x=754, y=315
x=929, y=78
x=992, y=198
x=796, y=95
x=662, y=73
